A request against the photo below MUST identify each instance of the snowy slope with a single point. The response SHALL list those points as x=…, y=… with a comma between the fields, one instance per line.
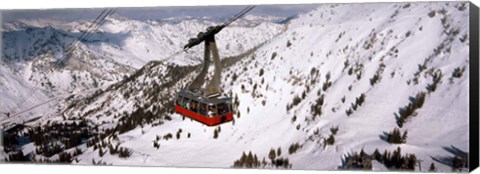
x=296, y=87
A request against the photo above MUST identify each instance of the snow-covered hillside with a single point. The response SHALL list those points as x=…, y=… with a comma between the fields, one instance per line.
x=339, y=81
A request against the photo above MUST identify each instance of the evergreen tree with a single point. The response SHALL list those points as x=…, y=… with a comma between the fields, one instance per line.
x=404, y=137
x=396, y=137
x=272, y=155
x=362, y=153
x=243, y=158
x=386, y=158
x=256, y=162
x=293, y=148
x=376, y=155
x=397, y=157
x=330, y=140
x=412, y=160
x=249, y=163
x=124, y=152
x=334, y=130
x=215, y=134
x=100, y=152
x=432, y=168
x=457, y=163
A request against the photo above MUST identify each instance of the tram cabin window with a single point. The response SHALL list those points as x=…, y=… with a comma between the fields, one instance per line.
x=194, y=106
x=223, y=108
x=203, y=109
x=212, y=111
x=185, y=103
x=179, y=101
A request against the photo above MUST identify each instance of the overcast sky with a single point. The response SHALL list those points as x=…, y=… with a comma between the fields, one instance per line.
x=155, y=12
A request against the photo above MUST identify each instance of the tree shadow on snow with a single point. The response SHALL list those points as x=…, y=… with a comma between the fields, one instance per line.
x=455, y=151
x=384, y=136
x=345, y=159
x=443, y=160
x=397, y=117
x=411, y=99
x=447, y=160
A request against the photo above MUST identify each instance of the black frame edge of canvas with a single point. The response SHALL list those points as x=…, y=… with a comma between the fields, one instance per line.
x=474, y=89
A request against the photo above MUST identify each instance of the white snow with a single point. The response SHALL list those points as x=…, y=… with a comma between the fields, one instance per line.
x=364, y=35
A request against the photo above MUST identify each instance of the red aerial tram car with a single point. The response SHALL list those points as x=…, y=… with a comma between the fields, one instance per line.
x=207, y=105
x=209, y=111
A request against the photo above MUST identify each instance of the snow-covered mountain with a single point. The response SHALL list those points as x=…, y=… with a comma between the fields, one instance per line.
x=35, y=66
x=340, y=82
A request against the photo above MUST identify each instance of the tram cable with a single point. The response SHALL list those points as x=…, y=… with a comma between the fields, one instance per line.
x=102, y=18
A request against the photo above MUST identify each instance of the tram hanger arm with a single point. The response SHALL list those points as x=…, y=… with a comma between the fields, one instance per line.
x=212, y=30
x=202, y=36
